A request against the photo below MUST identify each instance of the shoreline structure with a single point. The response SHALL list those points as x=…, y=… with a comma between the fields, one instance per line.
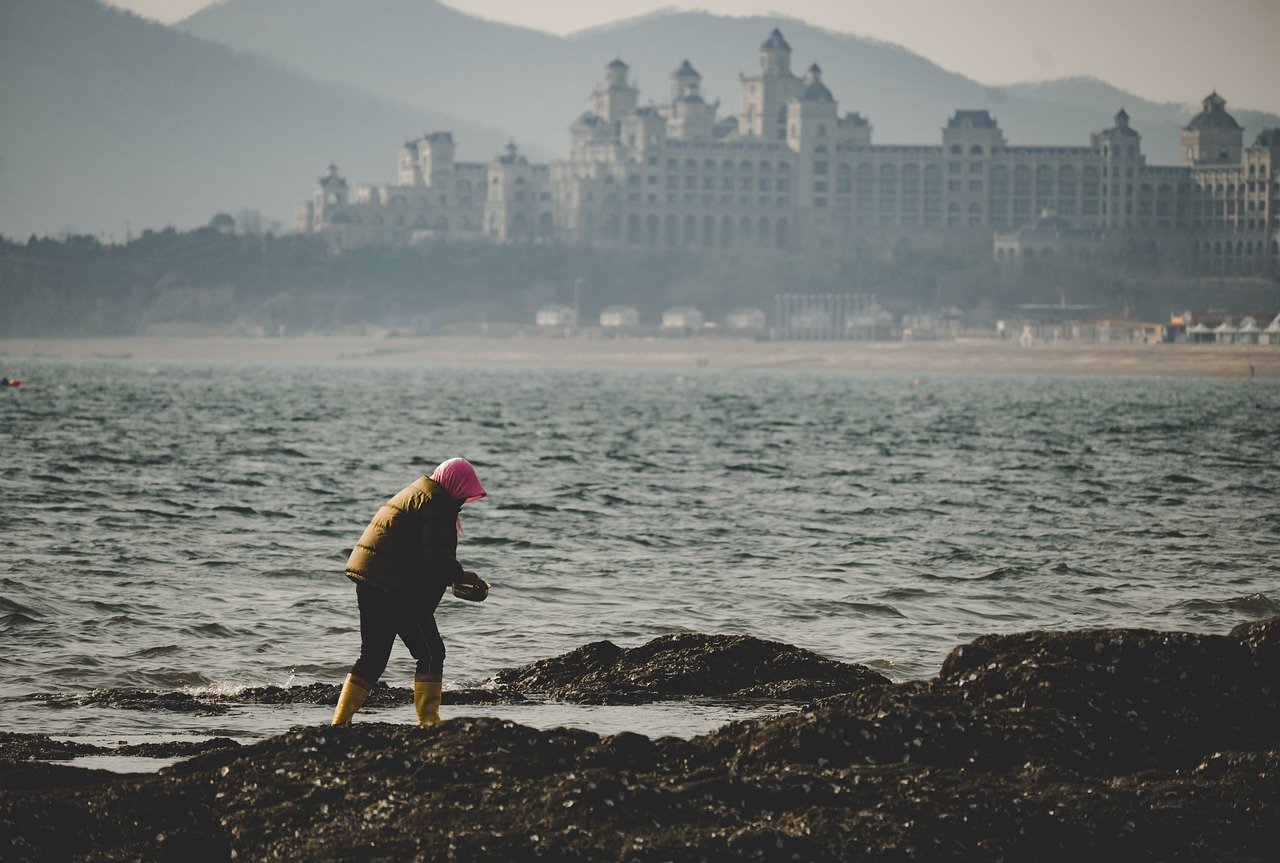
x=965, y=355
x=1039, y=745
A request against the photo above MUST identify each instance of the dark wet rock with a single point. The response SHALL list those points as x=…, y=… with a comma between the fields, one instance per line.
x=380, y=696
x=739, y=667
x=216, y=703
x=1145, y=697
x=15, y=746
x=43, y=776
x=144, y=699
x=1115, y=745
x=176, y=748
x=1262, y=639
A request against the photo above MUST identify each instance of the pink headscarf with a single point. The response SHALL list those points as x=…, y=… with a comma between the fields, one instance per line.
x=459, y=479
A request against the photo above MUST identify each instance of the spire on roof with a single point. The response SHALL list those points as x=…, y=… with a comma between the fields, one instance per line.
x=775, y=42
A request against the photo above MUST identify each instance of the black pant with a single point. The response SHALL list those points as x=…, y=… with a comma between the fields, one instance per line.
x=383, y=616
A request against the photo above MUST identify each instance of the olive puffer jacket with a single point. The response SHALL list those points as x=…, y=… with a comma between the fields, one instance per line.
x=410, y=547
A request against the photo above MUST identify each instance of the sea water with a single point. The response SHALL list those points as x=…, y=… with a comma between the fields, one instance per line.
x=184, y=527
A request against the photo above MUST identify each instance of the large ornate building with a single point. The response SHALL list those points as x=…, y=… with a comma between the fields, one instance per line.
x=790, y=172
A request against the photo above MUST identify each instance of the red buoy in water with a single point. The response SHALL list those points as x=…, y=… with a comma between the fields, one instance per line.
x=14, y=382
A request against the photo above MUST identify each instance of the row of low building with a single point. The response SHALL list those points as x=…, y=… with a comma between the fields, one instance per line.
x=1225, y=328
x=833, y=317
x=806, y=317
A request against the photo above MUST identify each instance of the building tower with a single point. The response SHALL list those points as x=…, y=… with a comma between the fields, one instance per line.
x=1122, y=164
x=765, y=95
x=811, y=126
x=615, y=98
x=691, y=118
x=330, y=195
x=1213, y=137
x=435, y=158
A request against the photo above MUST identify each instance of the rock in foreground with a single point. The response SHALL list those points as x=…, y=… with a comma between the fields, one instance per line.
x=737, y=667
x=1115, y=744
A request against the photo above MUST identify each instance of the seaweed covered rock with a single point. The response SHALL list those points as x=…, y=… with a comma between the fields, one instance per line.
x=485, y=790
x=688, y=664
x=1118, y=744
x=1262, y=639
x=909, y=723
x=1145, y=697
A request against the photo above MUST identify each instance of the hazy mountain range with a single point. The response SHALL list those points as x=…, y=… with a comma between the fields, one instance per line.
x=108, y=117
x=533, y=83
x=105, y=116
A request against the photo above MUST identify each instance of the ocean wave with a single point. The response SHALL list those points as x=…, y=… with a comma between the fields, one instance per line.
x=1255, y=605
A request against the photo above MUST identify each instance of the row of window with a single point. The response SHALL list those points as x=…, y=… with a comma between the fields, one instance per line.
x=726, y=165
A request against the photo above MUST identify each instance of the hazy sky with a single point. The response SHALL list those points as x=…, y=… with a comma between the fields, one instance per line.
x=1166, y=50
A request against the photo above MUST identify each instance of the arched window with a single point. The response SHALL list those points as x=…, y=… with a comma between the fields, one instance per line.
x=866, y=179
x=763, y=231
x=820, y=150
x=975, y=150
x=766, y=167
x=611, y=227
x=844, y=178
x=1022, y=180
x=910, y=180
x=1090, y=181
x=1066, y=181
x=932, y=180
x=953, y=214
x=999, y=180
x=726, y=232
x=784, y=167
x=708, y=231
x=888, y=180
x=726, y=165
x=633, y=228
x=651, y=230
x=1044, y=182
x=709, y=165
x=957, y=150
x=784, y=233
x=975, y=215
x=744, y=166
x=691, y=164
x=546, y=225
x=671, y=228
x=690, y=230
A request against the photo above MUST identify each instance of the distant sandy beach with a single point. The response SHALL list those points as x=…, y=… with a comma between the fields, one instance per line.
x=970, y=356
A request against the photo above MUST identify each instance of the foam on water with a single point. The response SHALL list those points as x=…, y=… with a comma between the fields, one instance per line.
x=184, y=527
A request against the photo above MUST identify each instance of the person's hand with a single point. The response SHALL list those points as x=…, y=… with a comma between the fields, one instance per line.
x=472, y=578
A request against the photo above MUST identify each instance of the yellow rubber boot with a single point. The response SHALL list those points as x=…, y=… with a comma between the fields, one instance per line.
x=354, y=691
x=426, y=698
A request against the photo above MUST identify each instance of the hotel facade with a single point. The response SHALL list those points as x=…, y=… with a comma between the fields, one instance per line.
x=790, y=172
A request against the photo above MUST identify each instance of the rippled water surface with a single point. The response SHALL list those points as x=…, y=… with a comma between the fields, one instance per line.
x=184, y=526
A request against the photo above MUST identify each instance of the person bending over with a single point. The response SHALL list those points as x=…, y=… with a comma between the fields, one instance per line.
x=402, y=564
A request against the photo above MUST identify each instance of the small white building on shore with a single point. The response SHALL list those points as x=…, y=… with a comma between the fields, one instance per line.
x=620, y=317
x=556, y=316
x=685, y=318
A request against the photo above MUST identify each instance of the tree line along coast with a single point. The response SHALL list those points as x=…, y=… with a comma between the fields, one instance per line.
x=217, y=280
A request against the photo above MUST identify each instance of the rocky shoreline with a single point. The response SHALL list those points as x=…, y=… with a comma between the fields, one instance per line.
x=1092, y=744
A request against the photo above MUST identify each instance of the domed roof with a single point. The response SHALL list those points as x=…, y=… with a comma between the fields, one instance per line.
x=1213, y=115
x=617, y=63
x=815, y=90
